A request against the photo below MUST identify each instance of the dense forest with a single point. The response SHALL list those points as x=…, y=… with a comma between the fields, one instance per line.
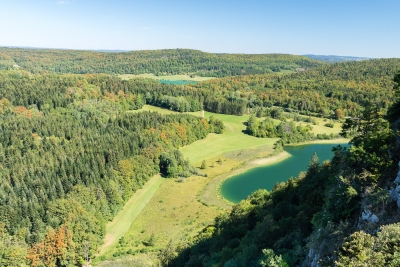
x=74, y=148
x=172, y=61
x=346, y=87
x=344, y=212
x=71, y=154
x=331, y=91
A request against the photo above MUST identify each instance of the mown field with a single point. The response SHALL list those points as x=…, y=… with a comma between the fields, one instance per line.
x=217, y=144
x=121, y=223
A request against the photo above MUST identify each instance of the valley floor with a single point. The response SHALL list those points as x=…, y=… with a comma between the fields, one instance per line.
x=176, y=211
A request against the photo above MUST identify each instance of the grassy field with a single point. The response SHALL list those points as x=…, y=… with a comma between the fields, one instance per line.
x=232, y=139
x=152, y=108
x=173, y=213
x=131, y=210
x=320, y=128
x=183, y=77
x=179, y=210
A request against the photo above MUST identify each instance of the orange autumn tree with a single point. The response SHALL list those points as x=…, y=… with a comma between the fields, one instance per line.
x=52, y=249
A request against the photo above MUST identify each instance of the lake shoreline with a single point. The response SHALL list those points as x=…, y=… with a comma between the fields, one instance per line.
x=247, y=165
x=323, y=141
x=258, y=162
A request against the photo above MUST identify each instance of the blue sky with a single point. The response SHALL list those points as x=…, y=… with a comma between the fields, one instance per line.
x=336, y=27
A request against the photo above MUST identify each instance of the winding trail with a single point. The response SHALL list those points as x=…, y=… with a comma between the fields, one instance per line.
x=131, y=210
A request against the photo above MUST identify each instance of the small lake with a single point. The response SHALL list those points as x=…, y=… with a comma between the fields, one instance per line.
x=179, y=82
x=240, y=186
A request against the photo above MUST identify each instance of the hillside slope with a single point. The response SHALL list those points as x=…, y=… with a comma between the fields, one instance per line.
x=169, y=61
x=344, y=212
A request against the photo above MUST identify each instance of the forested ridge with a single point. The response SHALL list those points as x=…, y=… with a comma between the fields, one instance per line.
x=168, y=61
x=347, y=86
x=70, y=156
x=73, y=150
x=331, y=91
x=343, y=212
x=327, y=90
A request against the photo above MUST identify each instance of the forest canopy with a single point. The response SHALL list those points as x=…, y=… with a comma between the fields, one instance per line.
x=71, y=154
x=159, y=62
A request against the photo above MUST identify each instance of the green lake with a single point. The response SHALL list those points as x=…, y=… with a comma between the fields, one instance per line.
x=179, y=82
x=240, y=186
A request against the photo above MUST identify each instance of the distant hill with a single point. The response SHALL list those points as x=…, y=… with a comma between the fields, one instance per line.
x=335, y=59
x=110, y=51
x=158, y=62
x=47, y=48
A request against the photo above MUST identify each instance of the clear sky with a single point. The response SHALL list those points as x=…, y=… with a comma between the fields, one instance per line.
x=327, y=27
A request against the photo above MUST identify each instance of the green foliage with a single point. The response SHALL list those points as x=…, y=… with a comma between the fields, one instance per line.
x=171, y=61
x=269, y=259
x=279, y=219
x=203, y=165
x=394, y=110
x=329, y=124
x=172, y=163
x=13, y=250
x=332, y=91
x=372, y=141
x=287, y=131
x=358, y=250
x=70, y=156
x=314, y=210
x=216, y=125
x=150, y=241
x=167, y=254
x=380, y=250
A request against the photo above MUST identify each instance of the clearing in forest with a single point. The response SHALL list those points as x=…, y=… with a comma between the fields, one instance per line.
x=131, y=210
x=180, y=77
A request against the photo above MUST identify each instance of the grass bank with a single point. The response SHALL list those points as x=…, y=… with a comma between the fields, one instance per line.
x=331, y=141
x=131, y=210
x=232, y=139
x=235, y=163
x=173, y=213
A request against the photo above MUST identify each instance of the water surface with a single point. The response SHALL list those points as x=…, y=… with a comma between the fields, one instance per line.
x=179, y=82
x=240, y=186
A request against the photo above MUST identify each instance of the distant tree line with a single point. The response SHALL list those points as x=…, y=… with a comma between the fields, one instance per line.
x=159, y=62
x=333, y=91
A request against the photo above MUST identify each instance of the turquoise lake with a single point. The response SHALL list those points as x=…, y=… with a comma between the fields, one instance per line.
x=180, y=82
x=240, y=186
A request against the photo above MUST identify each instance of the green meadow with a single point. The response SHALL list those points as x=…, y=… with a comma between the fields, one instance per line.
x=178, y=210
x=232, y=139
x=122, y=222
